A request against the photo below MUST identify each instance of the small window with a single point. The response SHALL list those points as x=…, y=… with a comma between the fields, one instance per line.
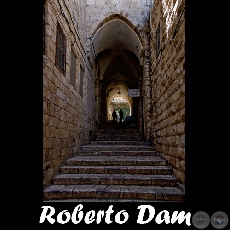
x=81, y=81
x=60, y=60
x=44, y=28
x=158, y=40
x=73, y=69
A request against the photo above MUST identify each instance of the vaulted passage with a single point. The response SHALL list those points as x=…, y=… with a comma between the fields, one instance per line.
x=117, y=50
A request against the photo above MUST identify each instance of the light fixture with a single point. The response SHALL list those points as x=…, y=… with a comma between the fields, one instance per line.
x=119, y=92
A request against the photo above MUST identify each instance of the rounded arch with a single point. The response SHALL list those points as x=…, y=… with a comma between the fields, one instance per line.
x=124, y=19
x=117, y=32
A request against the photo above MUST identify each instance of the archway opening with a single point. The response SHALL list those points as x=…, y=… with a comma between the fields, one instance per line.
x=117, y=50
x=116, y=104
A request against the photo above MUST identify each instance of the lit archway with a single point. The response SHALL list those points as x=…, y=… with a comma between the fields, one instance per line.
x=116, y=34
x=117, y=52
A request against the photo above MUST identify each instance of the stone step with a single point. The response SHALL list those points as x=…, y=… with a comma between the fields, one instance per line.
x=117, y=142
x=118, y=152
x=111, y=179
x=118, y=126
x=119, y=139
x=108, y=200
x=125, y=137
x=116, y=160
x=117, y=169
x=120, y=132
x=112, y=129
x=114, y=133
x=118, y=136
x=113, y=192
x=117, y=147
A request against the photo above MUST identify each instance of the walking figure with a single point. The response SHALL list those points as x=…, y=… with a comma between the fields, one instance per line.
x=121, y=115
x=114, y=114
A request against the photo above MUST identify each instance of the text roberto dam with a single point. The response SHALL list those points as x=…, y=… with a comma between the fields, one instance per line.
x=63, y=217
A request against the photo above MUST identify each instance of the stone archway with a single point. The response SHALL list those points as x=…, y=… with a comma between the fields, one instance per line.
x=117, y=55
x=117, y=34
x=115, y=103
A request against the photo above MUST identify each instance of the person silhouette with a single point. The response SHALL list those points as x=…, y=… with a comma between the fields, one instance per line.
x=114, y=114
x=121, y=115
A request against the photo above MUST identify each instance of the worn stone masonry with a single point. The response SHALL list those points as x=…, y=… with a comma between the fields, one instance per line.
x=168, y=83
x=71, y=120
x=134, y=11
x=68, y=117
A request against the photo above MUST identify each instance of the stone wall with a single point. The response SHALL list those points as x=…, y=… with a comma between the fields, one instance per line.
x=68, y=117
x=168, y=82
x=134, y=12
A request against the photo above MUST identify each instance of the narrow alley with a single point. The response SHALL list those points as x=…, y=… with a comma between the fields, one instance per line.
x=101, y=56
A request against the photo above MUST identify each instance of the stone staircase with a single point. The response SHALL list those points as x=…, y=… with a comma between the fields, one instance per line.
x=116, y=167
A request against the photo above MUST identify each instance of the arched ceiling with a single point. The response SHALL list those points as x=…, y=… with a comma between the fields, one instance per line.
x=117, y=85
x=116, y=34
x=119, y=69
x=116, y=61
x=117, y=51
x=116, y=81
x=119, y=64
